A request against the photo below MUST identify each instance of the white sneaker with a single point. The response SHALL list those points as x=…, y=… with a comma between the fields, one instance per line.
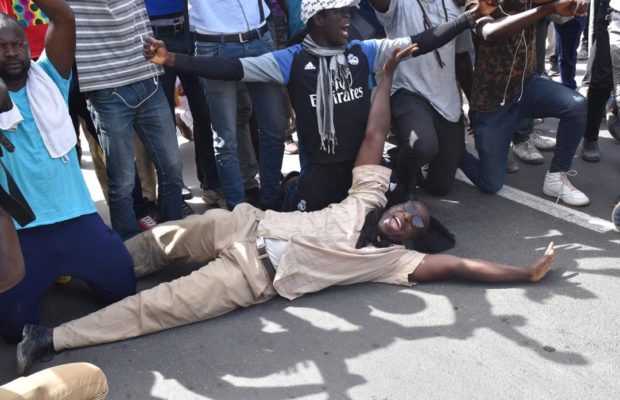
x=541, y=142
x=615, y=217
x=527, y=152
x=557, y=185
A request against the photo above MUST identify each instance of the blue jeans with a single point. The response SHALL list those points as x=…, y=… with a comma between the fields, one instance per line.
x=116, y=112
x=269, y=109
x=182, y=42
x=493, y=131
x=566, y=43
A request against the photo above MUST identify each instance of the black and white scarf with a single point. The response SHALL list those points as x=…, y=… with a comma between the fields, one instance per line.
x=337, y=69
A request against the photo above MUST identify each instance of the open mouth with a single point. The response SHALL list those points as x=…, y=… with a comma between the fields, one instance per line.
x=345, y=29
x=393, y=223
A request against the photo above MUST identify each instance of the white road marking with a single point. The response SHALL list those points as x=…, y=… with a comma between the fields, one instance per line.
x=550, y=208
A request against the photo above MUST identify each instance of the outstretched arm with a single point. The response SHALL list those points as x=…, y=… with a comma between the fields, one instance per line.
x=437, y=267
x=218, y=68
x=491, y=29
x=379, y=117
x=60, y=37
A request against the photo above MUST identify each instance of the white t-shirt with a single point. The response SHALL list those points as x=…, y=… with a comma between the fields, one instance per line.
x=422, y=74
x=615, y=5
x=226, y=16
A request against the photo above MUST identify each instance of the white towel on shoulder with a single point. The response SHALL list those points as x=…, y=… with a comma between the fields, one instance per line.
x=50, y=113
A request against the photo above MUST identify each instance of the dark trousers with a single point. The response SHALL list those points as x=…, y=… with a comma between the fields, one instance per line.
x=318, y=186
x=425, y=137
x=206, y=168
x=82, y=247
x=600, y=72
x=567, y=41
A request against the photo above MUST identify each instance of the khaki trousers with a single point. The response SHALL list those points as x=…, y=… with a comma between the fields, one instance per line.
x=234, y=278
x=78, y=381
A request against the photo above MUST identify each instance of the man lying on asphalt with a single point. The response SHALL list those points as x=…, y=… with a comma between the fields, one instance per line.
x=251, y=256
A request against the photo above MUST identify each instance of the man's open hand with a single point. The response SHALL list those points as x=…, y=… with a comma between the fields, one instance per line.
x=569, y=8
x=397, y=56
x=155, y=51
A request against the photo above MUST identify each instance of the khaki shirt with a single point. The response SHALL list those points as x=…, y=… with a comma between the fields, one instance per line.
x=321, y=245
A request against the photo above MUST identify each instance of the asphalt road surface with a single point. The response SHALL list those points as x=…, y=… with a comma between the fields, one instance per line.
x=557, y=339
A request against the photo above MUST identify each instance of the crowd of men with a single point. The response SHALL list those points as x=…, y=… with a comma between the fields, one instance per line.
x=253, y=72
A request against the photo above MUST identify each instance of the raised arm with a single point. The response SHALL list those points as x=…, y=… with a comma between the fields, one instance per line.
x=493, y=29
x=60, y=37
x=379, y=117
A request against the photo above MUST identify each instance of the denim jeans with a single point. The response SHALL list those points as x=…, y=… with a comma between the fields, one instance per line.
x=141, y=106
x=183, y=42
x=493, y=131
x=566, y=42
x=269, y=109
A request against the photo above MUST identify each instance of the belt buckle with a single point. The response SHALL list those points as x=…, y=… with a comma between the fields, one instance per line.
x=177, y=27
x=261, y=247
x=242, y=40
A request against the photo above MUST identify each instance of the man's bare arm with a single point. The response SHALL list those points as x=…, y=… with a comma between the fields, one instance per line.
x=379, y=117
x=11, y=261
x=493, y=29
x=60, y=37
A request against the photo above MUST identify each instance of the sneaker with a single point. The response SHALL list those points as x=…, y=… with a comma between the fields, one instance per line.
x=615, y=217
x=557, y=185
x=186, y=193
x=589, y=151
x=214, y=198
x=542, y=143
x=527, y=152
x=186, y=210
x=146, y=223
x=511, y=164
x=582, y=54
x=290, y=147
x=613, y=125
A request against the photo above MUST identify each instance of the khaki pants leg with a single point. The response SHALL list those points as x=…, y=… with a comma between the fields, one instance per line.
x=235, y=279
x=77, y=381
x=196, y=239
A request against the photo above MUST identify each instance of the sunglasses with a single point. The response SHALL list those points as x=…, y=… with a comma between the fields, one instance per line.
x=412, y=209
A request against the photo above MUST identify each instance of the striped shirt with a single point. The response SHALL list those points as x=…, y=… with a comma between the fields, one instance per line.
x=109, y=43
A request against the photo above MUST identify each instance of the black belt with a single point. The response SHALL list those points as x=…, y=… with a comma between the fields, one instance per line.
x=264, y=258
x=233, y=37
x=176, y=28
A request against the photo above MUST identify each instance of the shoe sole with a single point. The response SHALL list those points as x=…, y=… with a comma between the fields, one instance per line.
x=590, y=159
x=615, y=217
x=537, y=161
x=555, y=196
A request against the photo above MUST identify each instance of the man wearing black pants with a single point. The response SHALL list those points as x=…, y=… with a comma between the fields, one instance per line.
x=601, y=83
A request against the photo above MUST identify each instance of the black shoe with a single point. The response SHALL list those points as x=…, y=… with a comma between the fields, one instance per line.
x=186, y=210
x=589, y=151
x=186, y=193
x=36, y=342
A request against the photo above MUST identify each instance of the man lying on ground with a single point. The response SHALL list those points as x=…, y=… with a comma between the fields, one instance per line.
x=251, y=256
